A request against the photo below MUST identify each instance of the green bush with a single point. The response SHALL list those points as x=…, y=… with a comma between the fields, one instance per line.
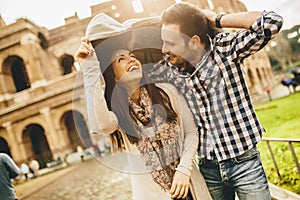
x=281, y=119
x=289, y=176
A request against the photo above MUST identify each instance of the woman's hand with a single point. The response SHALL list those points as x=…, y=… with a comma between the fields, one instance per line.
x=180, y=185
x=85, y=50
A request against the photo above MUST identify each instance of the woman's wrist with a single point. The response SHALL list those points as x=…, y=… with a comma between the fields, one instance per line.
x=184, y=170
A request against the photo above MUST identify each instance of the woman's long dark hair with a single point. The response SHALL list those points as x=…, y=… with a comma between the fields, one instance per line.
x=117, y=101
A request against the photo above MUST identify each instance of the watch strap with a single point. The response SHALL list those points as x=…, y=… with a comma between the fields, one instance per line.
x=218, y=20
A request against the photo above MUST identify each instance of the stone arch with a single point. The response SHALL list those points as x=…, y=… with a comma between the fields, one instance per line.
x=259, y=75
x=36, y=144
x=15, y=74
x=43, y=42
x=251, y=77
x=67, y=64
x=4, y=147
x=75, y=126
x=22, y=124
x=266, y=77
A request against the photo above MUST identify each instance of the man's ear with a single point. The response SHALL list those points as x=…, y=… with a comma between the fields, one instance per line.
x=196, y=41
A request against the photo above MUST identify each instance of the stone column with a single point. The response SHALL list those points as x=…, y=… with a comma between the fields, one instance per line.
x=264, y=80
x=30, y=43
x=64, y=143
x=258, y=84
x=50, y=132
x=14, y=144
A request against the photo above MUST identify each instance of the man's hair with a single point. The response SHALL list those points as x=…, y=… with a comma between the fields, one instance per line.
x=191, y=20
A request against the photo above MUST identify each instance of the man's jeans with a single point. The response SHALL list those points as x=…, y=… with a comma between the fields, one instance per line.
x=243, y=175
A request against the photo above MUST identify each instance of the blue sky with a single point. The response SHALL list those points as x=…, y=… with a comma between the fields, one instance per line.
x=51, y=14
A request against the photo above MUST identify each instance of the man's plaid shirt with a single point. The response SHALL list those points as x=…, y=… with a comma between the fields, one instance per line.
x=217, y=94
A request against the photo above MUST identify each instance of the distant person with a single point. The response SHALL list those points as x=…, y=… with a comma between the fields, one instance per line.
x=25, y=170
x=34, y=166
x=80, y=151
x=8, y=170
x=101, y=147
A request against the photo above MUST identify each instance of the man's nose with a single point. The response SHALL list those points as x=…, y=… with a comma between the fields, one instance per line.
x=164, y=50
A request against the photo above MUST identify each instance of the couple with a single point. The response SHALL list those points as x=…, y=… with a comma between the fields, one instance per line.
x=156, y=122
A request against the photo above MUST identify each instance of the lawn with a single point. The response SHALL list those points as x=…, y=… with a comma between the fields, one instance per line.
x=281, y=119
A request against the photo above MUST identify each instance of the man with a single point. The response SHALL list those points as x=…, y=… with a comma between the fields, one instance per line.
x=209, y=72
x=8, y=170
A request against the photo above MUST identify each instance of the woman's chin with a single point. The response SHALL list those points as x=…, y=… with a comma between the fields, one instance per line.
x=129, y=77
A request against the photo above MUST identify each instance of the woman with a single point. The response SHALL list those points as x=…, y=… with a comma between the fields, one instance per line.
x=167, y=141
x=146, y=119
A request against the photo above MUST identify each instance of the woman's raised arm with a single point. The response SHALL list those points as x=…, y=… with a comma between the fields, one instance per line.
x=101, y=120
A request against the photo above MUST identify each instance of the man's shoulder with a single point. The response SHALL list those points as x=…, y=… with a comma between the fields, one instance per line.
x=4, y=157
x=219, y=38
x=6, y=160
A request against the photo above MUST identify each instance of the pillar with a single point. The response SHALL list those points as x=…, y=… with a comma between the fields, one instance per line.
x=50, y=132
x=14, y=144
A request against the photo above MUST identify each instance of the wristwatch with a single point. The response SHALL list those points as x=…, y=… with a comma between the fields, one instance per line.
x=218, y=19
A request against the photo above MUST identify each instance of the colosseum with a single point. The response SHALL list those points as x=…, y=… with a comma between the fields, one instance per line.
x=38, y=118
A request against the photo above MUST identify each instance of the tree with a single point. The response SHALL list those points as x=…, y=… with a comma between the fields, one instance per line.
x=280, y=50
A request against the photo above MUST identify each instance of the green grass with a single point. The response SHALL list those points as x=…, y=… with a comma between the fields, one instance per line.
x=281, y=119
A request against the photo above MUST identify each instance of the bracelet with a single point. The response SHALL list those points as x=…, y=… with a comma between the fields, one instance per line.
x=218, y=20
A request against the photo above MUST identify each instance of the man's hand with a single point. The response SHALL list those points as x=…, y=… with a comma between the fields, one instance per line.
x=211, y=18
x=232, y=20
x=180, y=185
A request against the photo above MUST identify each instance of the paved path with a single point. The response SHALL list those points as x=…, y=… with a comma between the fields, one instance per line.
x=89, y=180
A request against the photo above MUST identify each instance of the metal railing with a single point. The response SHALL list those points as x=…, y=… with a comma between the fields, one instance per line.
x=290, y=143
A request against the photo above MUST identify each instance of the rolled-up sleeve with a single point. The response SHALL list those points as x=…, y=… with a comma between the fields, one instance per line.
x=243, y=43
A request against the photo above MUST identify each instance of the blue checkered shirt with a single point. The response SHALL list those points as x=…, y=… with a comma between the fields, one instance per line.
x=218, y=95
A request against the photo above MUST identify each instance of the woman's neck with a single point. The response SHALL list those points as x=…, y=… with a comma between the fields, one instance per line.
x=135, y=96
x=133, y=91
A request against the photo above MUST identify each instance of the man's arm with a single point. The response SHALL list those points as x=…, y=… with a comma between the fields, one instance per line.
x=233, y=20
x=11, y=167
x=257, y=29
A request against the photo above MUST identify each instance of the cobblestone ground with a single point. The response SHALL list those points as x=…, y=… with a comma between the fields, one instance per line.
x=90, y=181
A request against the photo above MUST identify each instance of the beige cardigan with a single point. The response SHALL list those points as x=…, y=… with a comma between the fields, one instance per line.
x=101, y=120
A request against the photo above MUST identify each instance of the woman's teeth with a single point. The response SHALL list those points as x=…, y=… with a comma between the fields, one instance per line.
x=132, y=68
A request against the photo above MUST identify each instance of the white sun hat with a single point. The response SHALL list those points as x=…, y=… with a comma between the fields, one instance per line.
x=103, y=26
